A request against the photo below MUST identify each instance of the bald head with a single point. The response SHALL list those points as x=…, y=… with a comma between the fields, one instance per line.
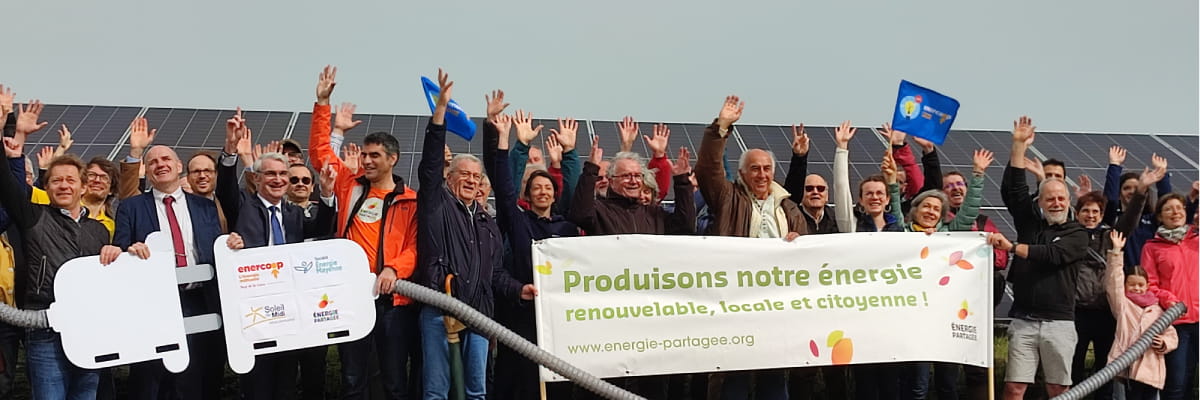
x=816, y=192
x=163, y=168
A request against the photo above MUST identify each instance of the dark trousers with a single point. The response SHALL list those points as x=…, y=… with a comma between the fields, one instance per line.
x=769, y=384
x=516, y=377
x=1096, y=327
x=395, y=344
x=312, y=372
x=802, y=382
x=206, y=365
x=10, y=340
x=877, y=381
x=1181, y=364
x=268, y=380
x=1139, y=391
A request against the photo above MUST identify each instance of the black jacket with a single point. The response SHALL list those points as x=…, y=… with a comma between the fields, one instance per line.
x=1043, y=283
x=50, y=239
x=452, y=238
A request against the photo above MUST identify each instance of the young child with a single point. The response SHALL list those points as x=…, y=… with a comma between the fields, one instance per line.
x=1135, y=308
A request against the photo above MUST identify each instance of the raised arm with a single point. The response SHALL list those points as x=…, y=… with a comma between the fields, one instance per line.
x=905, y=160
x=798, y=168
x=682, y=220
x=843, y=199
x=1112, y=183
x=965, y=218
x=1133, y=215
x=227, y=192
x=565, y=136
x=659, y=162
x=495, y=159
x=1013, y=189
x=1163, y=186
x=710, y=168
x=583, y=207
x=429, y=169
x=931, y=164
x=15, y=198
x=1114, y=274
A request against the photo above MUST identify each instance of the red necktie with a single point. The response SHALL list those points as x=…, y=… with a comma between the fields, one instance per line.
x=176, y=234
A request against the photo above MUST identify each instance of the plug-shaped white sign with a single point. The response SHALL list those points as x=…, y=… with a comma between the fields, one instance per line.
x=122, y=313
x=292, y=296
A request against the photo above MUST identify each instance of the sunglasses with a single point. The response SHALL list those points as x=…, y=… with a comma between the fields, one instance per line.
x=814, y=188
x=296, y=179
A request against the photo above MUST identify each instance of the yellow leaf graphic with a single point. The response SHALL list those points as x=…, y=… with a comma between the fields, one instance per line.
x=545, y=269
x=834, y=337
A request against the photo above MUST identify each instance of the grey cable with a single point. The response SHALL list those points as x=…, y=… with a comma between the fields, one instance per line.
x=1130, y=355
x=23, y=318
x=477, y=321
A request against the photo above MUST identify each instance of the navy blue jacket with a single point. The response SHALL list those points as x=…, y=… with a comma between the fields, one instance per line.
x=246, y=214
x=137, y=217
x=521, y=227
x=452, y=238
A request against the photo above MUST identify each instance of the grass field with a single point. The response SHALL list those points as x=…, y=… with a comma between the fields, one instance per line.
x=229, y=389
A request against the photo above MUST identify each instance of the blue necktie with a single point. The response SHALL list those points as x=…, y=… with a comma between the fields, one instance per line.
x=276, y=229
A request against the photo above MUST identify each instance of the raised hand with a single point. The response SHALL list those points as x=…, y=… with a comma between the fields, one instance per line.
x=1085, y=186
x=628, y=128
x=27, y=121
x=981, y=160
x=895, y=137
x=998, y=241
x=681, y=166
x=597, y=154
x=503, y=124
x=273, y=147
x=1116, y=155
x=554, y=151
x=495, y=103
x=352, y=157
x=566, y=133
x=64, y=140
x=658, y=143
x=1158, y=162
x=328, y=178
x=344, y=120
x=6, y=101
x=45, y=157
x=1034, y=166
x=731, y=111
x=799, y=140
x=325, y=83
x=926, y=146
x=140, y=136
x=843, y=134
x=888, y=167
x=525, y=132
x=13, y=148
x=1118, y=239
x=234, y=135
x=445, y=85
x=1023, y=130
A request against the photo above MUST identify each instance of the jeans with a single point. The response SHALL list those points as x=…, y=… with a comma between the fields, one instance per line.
x=10, y=339
x=51, y=376
x=1096, y=327
x=768, y=385
x=393, y=342
x=436, y=358
x=1181, y=364
x=914, y=380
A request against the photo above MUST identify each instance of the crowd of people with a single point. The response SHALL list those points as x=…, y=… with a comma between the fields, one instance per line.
x=1089, y=270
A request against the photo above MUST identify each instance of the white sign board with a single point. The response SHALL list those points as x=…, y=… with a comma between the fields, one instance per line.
x=631, y=305
x=122, y=313
x=292, y=296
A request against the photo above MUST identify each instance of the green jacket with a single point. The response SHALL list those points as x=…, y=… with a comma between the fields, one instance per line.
x=963, y=220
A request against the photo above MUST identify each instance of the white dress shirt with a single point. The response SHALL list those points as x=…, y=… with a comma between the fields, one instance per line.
x=181, y=215
x=278, y=217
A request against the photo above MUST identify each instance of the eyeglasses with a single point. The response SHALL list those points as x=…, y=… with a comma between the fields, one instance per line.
x=203, y=171
x=628, y=177
x=468, y=174
x=98, y=177
x=296, y=179
x=814, y=188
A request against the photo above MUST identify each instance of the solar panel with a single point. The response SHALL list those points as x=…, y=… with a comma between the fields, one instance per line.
x=94, y=129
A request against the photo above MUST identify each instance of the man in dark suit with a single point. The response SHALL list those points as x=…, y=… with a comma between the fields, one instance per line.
x=264, y=218
x=193, y=225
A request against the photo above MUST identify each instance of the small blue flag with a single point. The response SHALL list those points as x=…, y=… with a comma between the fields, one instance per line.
x=457, y=121
x=924, y=113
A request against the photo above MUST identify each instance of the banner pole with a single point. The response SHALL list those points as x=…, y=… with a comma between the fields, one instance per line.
x=542, y=387
x=991, y=383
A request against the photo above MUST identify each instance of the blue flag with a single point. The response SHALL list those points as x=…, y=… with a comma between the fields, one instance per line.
x=457, y=121
x=924, y=113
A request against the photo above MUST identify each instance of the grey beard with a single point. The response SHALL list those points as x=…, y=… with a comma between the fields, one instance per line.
x=1055, y=218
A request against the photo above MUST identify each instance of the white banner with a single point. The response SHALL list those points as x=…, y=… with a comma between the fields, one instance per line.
x=293, y=296
x=631, y=305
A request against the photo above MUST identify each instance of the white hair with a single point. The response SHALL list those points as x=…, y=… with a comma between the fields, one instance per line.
x=746, y=158
x=460, y=158
x=270, y=156
x=625, y=155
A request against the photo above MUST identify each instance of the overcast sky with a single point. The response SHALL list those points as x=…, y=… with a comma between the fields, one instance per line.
x=1102, y=65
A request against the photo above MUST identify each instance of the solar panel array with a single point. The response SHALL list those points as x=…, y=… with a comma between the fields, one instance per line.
x=103, y=131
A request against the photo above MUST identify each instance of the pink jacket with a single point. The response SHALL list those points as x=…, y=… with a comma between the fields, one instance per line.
x=1172, y=267
x=1132, y=321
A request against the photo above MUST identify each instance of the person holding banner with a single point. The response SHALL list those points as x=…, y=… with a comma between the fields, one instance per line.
x=53, y=234
x=377, y=210
x=517, y=377
x=1050, y=249
x=266, y=219
x=1170, y=261
x=459, y=251
x=754, y=206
